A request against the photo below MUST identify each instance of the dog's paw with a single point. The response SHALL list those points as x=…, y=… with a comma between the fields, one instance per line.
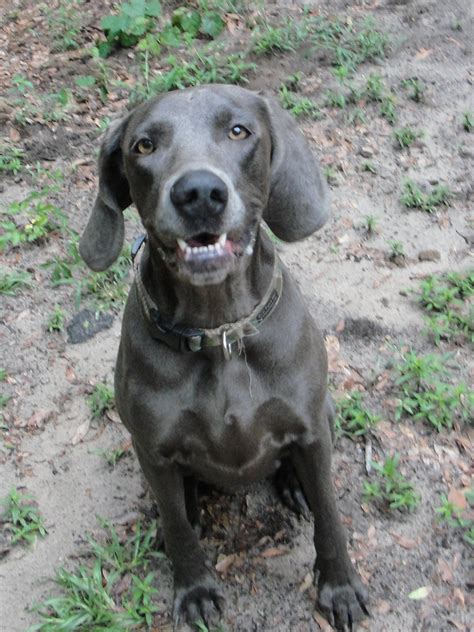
x=198, y=602
x=289, y=489
x=343, y=603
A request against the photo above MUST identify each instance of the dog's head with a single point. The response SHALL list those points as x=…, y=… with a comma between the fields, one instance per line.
x=203, y=166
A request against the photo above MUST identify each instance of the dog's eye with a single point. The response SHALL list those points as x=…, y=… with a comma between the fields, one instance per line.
x=144, y=146
x=239, y=132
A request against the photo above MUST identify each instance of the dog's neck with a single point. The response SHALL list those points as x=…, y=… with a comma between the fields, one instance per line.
x=209, y=306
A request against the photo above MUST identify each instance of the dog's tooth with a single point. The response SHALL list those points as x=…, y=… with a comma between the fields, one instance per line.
x=182, y=245
x=222, y=239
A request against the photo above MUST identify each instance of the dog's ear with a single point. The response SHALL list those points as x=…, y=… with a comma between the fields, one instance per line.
x=102, y=240
x=298, y=203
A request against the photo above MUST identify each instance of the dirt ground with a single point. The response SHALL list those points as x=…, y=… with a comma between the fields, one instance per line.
x=361, y=299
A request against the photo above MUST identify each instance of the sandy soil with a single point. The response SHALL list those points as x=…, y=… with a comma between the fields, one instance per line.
x=360, y=299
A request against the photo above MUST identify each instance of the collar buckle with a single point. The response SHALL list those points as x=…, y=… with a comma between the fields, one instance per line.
x=226, y=346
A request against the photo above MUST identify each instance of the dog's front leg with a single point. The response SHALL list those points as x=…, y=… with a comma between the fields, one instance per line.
x=341, y=595
x=195, y=591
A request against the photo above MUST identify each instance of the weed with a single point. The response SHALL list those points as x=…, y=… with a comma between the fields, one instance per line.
x=195, y=22
x=109, y=289
x=269, y=39
x=454, y=517
x=375, y=88
x=56, y=320
x=391, y=488
x=3, y=374
x=425, y=395
x=397, y=250
x=134, y=20
x=113, y=456
x=414, y=197
x=336, y=99
x=367, y=165
x=298, y=106
x=36, y=218
x=65, y=22
x=415, y=87
x=406, y=136
x=12, y=281
x=101, y=400
x=448, y=298
x=468, y=121
x=387, y=108
x=22, y=518
x=370, y=224
x=115, y=593
x=11, y=159
x=353, y=419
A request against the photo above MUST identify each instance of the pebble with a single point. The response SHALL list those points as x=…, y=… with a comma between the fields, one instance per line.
x=429, y=255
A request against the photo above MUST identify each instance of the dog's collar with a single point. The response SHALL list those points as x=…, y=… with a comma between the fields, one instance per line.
x=183, y=338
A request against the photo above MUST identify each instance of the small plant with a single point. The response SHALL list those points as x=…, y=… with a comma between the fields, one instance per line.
x=298, y=106
x=415, y=87
x=353, y=419
x=425, y=394
x=375, y=88
x=448, y=298
x=13, y=281
x=22, y=518
x=397, y=251
x=269, y=39
x=391, y=488
x=387, y=108
x=336, y=99
x=11, y=159
x=101, y=400
x=454, y=516
x=468, y=121
x=65, y=22
x=56, y=320
x=35, y=219
x=114, y=456
x=367, y=165
x=134, y=20
x=115, y=593
x=370, y=224
x=108, y=289
x=414, y=197
x=406, y=136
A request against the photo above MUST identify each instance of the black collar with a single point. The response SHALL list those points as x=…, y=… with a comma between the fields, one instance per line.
x=190, y=339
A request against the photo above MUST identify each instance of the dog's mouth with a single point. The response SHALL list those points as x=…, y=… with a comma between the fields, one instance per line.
x=207, y=248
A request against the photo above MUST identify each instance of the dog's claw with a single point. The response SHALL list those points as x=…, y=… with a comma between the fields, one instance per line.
x=289, y=490
x=343, y=604
x=197, y=603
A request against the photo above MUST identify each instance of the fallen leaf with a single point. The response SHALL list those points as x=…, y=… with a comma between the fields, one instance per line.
x=420, y=593
x=321, y=621
x=457, y=497
x=445, y=571
x=423, y=53
x=81, y=432
x=403, y=541
x=459, y=596
x=39, y=419
x=383, y=607
x=225, y=563
x=306, y=583
x=275, y=551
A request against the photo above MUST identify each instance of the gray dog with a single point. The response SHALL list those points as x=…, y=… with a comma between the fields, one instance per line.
x=221, y=372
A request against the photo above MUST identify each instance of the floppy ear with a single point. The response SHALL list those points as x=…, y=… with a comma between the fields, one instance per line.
x=299, y=202
x=102, y=240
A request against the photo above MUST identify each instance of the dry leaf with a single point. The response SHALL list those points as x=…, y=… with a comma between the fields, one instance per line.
x=423, y=53
x=306, y=583
x=406, y=543
x=420, y=593
x=39, y=418
x=383, y=607
x=81, y=432
x=456, y=496
x=275, y=551
x=321, y=621
x=445, y=571
x=225, y=563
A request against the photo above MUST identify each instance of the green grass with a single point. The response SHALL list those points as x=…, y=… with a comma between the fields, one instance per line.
x=448, y=300
x=468, y=121
x=56, y=320
x=268, y=39
x=425, y=394
x=414, y=197
x=455, y=517
x=30, y=220
x=353, y=419
x=11, y=159
x=406, y=136
x=12, y=281
x=416, y=89
x=298, y=106
x=108, y=289
x=390, y=489
x=397, y=250
x=113, y=456
x=100, y=400
x=114, y=592
x=22, y=520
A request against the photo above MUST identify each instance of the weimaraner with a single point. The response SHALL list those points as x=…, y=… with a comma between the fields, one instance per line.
x=221, y=372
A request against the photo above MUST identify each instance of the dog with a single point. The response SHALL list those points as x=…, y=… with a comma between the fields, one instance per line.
x=221, y=373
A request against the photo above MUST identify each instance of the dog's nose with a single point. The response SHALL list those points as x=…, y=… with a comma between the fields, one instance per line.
x=199, y=193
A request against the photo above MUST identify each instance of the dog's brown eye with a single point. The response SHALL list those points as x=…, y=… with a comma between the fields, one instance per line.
x=239, y=132
x=144, y=146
